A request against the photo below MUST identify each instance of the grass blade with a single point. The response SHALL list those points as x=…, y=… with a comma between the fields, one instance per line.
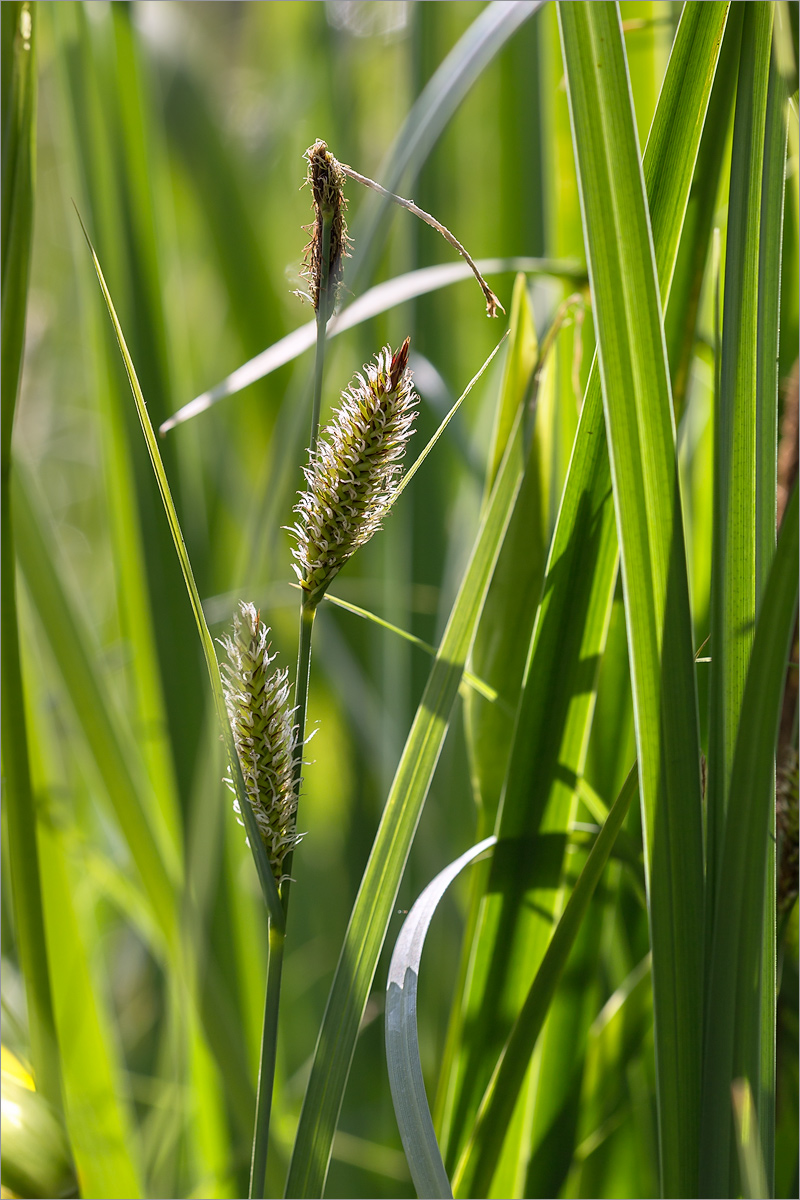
x=479, y=686
x=381, y=880
x=115, y=757
x=736, y=498
x=266, y=879
x=641, y=436
x=18, y=143
x=402, y=1045
x=732, y=1044
x=98, y=1120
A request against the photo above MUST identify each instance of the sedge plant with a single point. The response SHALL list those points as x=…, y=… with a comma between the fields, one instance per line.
x=598, y=572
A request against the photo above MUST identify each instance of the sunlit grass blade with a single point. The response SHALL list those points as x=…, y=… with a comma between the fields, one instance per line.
x=569, y=637
x=103, y=109
x=381, y=880
x=474, y=1173
x=641, y=437
x=737, y=496
x=732, y=1043
x=680, y=319
x=98, y=1119
x=769, y=290
x=265, y=875
x=402, y=1045
x=504, y=630
x=118, y=764
x=19, y=141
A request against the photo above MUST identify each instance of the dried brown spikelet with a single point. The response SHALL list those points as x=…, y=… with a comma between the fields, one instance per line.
x=354, y=471
x=326, y=180
x=257, y=700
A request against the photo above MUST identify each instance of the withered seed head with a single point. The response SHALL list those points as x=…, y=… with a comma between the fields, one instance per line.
x=353, y=473
x=326, y=180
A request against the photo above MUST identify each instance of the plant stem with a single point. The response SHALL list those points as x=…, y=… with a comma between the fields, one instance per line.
x=266, y=1071
x=307, y=614
x=269, y=1034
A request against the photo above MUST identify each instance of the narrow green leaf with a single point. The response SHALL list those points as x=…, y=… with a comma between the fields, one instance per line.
x=680, y=320
x=103, y=109
x=641, y=436
x=737, y=496
x=523, y=352
x=482, y=688
x=402, y=1043
x=504, y=630
x=98, y=1121
x=731, y=1049
x=118, y=764
x=420, y=459
x=381, y=880
x=263, y=868
x=18, y=152
x=769, y=293
x=474, y=1173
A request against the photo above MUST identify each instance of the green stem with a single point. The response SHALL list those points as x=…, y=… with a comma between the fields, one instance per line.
x=266, y=1071
x=269, y=1034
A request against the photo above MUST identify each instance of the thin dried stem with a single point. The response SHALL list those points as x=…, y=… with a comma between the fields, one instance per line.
x=492, y=302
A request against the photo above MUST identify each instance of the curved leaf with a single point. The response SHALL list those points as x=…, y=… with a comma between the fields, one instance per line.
x=372, y=303
x=402, y=1045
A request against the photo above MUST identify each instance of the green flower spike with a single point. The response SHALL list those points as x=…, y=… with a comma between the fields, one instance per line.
x=266, y=738
x=354, y=471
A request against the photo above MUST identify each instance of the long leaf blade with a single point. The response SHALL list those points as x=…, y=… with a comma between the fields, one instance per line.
x=733, y=1001
x=263, y=868
x=641, y=436
x=19, y=139
x=402, y=1044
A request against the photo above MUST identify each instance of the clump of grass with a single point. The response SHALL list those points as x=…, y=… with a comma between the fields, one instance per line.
x=353, y=472
x=257, y=699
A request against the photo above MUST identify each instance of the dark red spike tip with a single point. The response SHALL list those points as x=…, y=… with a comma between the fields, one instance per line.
x=399, y=363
